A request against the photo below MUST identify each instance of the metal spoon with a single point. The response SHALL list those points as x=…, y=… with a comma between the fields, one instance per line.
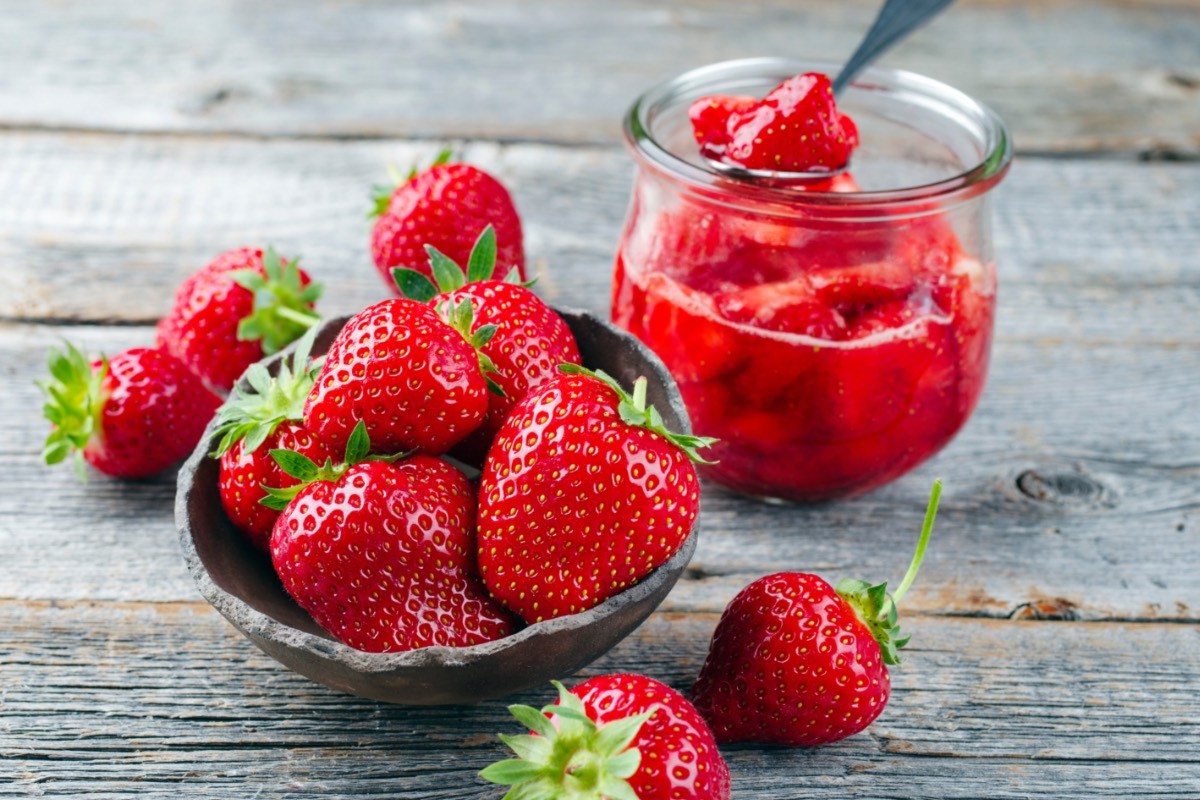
x=896, y=19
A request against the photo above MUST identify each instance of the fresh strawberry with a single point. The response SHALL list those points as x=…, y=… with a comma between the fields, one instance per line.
x=795, y=128
x=613, y=737
x=267, y=416
x=381, y=552
x=129, y=416
x=417, y=382
x=242, y=306
x=531, y=340
x=446, y=206
x=795, y=661
x=584, y=492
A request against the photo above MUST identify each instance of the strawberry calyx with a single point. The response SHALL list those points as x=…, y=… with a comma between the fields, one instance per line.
x=634, y=411
x=449, y=276
x=307, y=471
x=872, y=603
x=75, y=399
x=381, y=193
x=568, y=756
x=282, y=303
x=251, y=416
x=461, y=317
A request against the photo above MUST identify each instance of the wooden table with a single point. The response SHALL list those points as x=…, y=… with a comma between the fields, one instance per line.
x=1056, y=651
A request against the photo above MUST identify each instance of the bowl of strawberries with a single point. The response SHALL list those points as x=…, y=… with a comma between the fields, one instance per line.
x=448, y=497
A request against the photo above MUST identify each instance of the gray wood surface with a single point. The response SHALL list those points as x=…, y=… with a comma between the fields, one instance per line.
x=1072, y=75
x=1056, y=621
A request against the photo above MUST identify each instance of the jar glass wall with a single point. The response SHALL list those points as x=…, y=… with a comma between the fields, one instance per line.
x=831, y=339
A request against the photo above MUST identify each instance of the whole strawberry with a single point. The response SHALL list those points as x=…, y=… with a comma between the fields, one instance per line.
x=531, y=340
x=129, y=416
x=417, y=382
x=266, y=416
x=382, y=554
x=584, y=492
x=613, y=737
x=795, y=661
x=242, y=306
x=445, y=206
x=795, y=128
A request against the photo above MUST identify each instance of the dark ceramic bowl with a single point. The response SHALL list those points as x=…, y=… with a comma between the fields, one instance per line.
x=241, y=584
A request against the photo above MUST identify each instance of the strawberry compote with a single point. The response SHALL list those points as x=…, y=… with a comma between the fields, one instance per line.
x=831, y=335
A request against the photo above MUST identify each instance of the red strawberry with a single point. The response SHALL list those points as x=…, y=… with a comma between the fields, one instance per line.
x=710, y=118
x=129, y=416
x=415, y=381
x=446, y=206
x=252, y=423
x=531, y=340
x=795, y=128
x=613, y=737
x=794, y=661
x=583, y=494
x=382, y=554
x=242, y=306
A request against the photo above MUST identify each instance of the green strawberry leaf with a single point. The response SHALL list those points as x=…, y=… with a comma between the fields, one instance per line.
x=446, y=274
x=575, y=758
x=482, y=262
x=414, y=285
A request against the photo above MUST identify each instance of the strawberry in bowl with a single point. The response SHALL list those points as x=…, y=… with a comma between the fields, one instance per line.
x=243, y=584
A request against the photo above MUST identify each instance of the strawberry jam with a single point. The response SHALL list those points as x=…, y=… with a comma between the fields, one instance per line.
x=831, y=337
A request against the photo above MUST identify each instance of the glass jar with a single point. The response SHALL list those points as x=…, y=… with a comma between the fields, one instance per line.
x=831, y=337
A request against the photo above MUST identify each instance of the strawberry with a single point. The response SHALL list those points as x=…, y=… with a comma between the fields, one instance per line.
x=795, y=661
x=795, y=128
x=242, y=306
x=710, y=118
x=613, y=737
x=381, y=551
x=129, y=416
x=446, y=206
x=268, y=416
x=416, y=381
x=584, y=492
x=531, y=340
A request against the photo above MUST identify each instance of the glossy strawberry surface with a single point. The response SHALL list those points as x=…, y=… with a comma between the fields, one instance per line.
x=201, y=328
x=531, y=340
x=446, y=207
x=384, y=557
x=680, y=759
x=243, y=474
x=575, y=504
x=791, y=663
x=153, y=413
x=413, y=379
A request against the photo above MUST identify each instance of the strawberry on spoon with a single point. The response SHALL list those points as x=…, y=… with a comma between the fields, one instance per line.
x=795, y=661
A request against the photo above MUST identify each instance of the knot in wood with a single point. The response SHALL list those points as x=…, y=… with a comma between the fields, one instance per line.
x=1068, y=487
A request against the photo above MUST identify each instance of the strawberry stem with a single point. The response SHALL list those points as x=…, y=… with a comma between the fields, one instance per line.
x=935, y=495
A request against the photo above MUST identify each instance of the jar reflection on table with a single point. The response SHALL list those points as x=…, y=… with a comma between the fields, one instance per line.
x=832, y=338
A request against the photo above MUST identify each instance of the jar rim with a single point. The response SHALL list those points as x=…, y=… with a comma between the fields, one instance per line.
x=975, y=179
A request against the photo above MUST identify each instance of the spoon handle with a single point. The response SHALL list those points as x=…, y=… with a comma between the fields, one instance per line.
x=896, y=20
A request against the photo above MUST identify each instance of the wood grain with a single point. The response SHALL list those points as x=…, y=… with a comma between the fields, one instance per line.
x=995, y=709
x=1098, y=521
x=137, y=214
x=1076, y=76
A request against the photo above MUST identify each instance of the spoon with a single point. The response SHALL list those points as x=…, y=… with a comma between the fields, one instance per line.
x=896, y=19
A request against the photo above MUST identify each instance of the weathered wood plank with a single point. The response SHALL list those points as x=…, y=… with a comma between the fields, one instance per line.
x=97, y=228
x=1076, y=76
x=1089, y=522
x=115, y=699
